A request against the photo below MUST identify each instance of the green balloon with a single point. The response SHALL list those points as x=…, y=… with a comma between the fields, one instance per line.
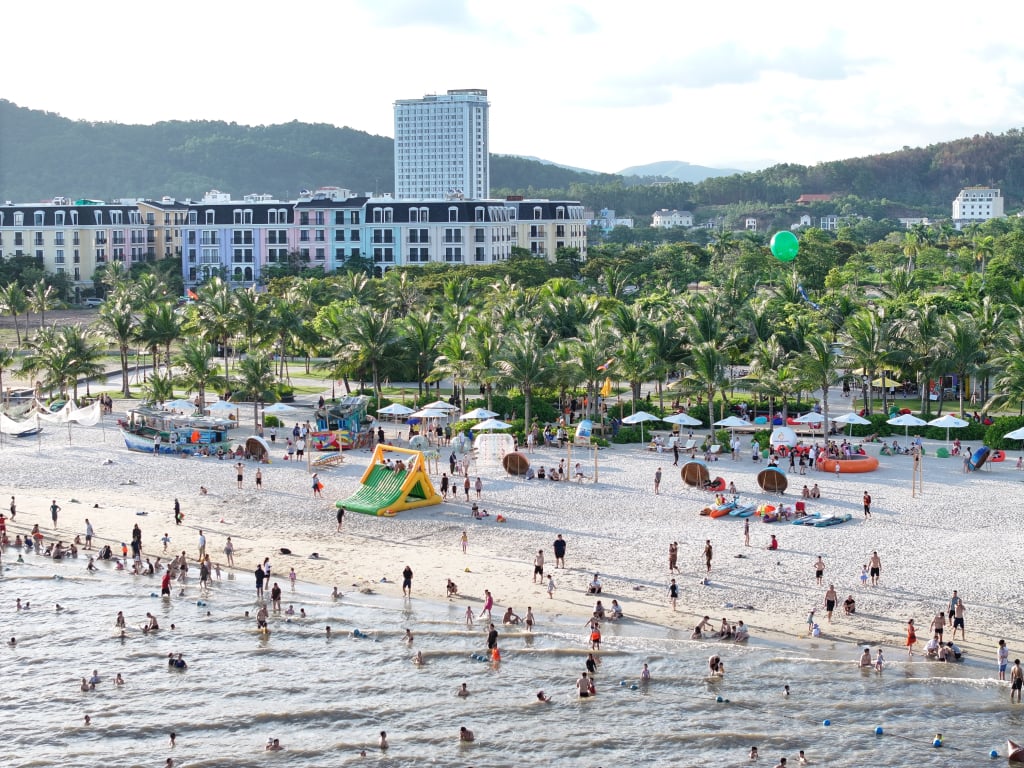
x=785, y=246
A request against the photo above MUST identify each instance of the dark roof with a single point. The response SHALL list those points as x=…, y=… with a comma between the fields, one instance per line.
x=224, y=213
x=86, y=214
x=352, y=202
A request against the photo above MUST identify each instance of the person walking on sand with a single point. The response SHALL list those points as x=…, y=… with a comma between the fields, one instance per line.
x=673, y=557
x=259, y=479
x=657, y=481
x=465, y=542
x=538, y=567
x=746, y=531
x=229, y=551
x=444, y=485
x=867, y=504
x=54, y=509
x=819, y=570
x=407, y=581
x=1003, y=658
x=479, y=488
x=830, y=602
x=239, y=472
x=317, y=487
x=465, y=487
x=341, y=518
x=551, y=587
x=875, y=569
x=673, y=594
x=559, y=547
x=707, y=554
x=911, y=637
x=14, y=508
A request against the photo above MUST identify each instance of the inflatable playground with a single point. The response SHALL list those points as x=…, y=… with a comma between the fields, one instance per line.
x=341, y=426
x=395, y=480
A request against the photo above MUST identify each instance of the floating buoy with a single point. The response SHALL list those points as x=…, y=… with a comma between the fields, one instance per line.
x=200, y=602
x=879, y=731
x=622, y=683
x=826, y=723
x=993, y=753
x=634, y=687
x=719, y=699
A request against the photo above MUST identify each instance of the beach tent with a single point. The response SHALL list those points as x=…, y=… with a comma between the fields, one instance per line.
x=258, y=448
x=772, y=480
x=639, y=418
x=907, y=420
x=396, y=410
x=948, y=422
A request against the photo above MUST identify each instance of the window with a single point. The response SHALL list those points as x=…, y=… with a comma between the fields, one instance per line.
x=453, y=213
x=304, y=219
x=271, y=217
x=452, y=235
x=320, y=236
x=151, y=218
x=319, y=254
x=414, y=215
x=479, y=253
x=282, y=215
x=383, y=236
x=355, y=220
x=319, y=218
x=193, y=218
x=419, y=255
x=378, y=216
x=58, y=238
x=478, y=214
x=353, y=235
x=339, y=217
x=419, y=235
x=58, y=219
x=538, y=213
x=560, y=212
x=424, y=215
x=339, y=235
x=38, y=218
x=453, y=254
x=19, y=219
x=479, y=236
x=304, y=236
x=211, y=217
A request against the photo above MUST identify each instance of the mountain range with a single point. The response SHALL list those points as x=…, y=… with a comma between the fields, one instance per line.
x=677, y=170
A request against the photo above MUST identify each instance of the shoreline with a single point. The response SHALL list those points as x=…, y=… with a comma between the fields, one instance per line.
x=609, y=528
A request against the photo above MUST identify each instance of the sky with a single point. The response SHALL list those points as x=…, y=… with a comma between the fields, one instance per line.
x=599, y=85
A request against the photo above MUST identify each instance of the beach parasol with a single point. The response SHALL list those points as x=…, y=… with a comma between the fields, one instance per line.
x=222, y=406
x=732, y=422
x=851, y=419
x=278, y=409
x=431, y=413
x=395, y=409
x=441, y=405
x=907, y=420
x=811, y=418
x=949, y=421
x=180, y=405
x=1017, y=434
x=885, y=382
x=684, y=420
x=490, y=424
x=478, y=413
x=639, y=418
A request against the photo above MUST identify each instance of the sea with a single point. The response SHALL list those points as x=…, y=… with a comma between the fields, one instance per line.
x=327, y=699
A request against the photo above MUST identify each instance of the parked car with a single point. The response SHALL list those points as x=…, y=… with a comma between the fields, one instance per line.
x=93, y=302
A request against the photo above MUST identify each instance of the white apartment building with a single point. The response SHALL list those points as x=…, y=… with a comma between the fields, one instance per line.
x=975, y=204
x=442, y=146
x=666, y=219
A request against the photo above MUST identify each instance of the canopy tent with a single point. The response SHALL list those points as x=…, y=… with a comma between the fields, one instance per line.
x=639, y=418
x=278, y=409
x=948, y=422
x=732, y=422
x=395, y=409
x=907, y=420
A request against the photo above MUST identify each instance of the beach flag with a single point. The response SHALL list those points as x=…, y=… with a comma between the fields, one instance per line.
x=606, y=389
x=607, y=364
x=193, y=295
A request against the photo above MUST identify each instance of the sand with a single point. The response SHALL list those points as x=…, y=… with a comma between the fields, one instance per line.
x=960, y=534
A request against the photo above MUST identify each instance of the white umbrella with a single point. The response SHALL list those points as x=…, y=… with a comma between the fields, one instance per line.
x=907, y=420
x=490, y=424
x=812, y=418
x=222, y=405
x=732, y=422
x=639, y=418
x=1017, y=434
x=431, y=413
x=478, y=413
x=851, y=419
x=279, y=408
x=395, y=409
x=441, y=405
x=180, y=405
x=949, y=421
x=683, y=419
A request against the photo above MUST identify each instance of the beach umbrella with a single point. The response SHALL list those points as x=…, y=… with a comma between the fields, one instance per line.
x=1017, y=434
x=812, y=418
x=732, y=422
x=948, y=421
x=907, y=420
x=441, y=405
x=180, y=405
x=222, y=406
x=851, y=419
x=885, y=382
x=395, y=409
x=639, y=418
x=683, y=419
x=278, y=409
x=490, y=424
x=478, y=413
x=431, y=413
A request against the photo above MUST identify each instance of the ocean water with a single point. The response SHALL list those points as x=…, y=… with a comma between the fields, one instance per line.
x=326, y=699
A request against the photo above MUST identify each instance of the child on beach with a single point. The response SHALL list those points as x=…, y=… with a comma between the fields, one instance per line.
x=469, y=616
x=551, y=586
x=863, y=575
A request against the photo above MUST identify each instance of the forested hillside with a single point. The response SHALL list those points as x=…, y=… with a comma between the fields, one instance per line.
x=43, y=154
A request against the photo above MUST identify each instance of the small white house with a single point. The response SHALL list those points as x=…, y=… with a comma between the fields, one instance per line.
x=666, y=219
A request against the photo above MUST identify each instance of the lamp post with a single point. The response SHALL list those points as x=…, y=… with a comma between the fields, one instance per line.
x=864, y=385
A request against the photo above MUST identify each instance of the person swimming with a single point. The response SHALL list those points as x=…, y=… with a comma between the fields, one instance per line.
x=274, y=745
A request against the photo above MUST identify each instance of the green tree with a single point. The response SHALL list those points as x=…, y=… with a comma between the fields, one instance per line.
x=117, y=324
x=254, y=379
x=13, y=303
x=526, y=363
x=197, y=369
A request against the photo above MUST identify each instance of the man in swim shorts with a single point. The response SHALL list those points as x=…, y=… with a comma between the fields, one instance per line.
x=407, y=581
x=538, y=566
x=1016, y=680
x=875, y=569
x=830, y=602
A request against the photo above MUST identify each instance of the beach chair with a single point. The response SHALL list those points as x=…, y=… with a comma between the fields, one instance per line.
x=714, y=451
x=690, y=445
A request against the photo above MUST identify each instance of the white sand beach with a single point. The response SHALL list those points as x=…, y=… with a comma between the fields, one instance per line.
x=960, y=534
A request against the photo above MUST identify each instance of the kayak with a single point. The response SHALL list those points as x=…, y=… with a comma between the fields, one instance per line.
x=746, y=511
x=723, y=510
x=808, y=519
x=832, y=520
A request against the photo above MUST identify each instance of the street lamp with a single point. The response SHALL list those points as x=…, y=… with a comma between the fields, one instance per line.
x=864, y=385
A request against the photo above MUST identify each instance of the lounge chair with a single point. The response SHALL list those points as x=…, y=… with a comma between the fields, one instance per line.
x=714, y=451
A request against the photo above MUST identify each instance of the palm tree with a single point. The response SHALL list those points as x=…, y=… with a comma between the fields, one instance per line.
x=707, y=368
x=216, y=313
x=63, y=355
x=158, y=388
x=635, y=360
x=198, y=371
x=6, y=361
x=590, y=352
x=963, y=350
x=13, y=303
x=454, y=359
x=526, y=363
x=484, y=350
x=911, y=249
x=117, y=324
x=41, y=298
x=251, y=314
x=159, y=328
x=820, y=368
x=255, y=381
x=372, y=339
x=421, y=333
x=870, y=342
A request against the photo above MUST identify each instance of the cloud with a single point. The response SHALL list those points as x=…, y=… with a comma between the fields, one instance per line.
x=581, y=22
x=453, y=15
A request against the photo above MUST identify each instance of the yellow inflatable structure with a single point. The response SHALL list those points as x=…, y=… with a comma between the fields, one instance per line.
x=386, y=492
